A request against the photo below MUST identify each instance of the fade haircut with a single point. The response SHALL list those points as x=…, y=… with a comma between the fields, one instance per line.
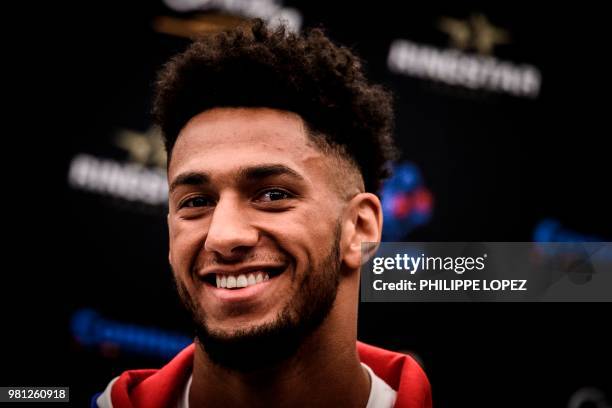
x=256, y=66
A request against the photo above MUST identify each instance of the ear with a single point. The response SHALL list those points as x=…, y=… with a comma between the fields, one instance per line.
x=363, y=223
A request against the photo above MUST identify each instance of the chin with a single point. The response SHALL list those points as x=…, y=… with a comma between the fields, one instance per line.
x=232, y=326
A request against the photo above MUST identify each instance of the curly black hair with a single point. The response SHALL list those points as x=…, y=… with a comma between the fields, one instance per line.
x=256, y=66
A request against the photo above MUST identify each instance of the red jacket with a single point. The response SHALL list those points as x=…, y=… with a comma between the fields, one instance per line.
x=161, y=388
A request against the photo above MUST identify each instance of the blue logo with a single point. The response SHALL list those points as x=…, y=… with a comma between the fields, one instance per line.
x=407, y=203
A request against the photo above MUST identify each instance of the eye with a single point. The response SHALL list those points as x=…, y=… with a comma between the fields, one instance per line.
x=273, y=195
x=198, y=201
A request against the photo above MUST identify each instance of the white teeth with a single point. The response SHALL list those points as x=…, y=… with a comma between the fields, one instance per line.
x=241, y=281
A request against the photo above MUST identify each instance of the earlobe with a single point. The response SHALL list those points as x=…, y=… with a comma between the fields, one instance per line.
x=364, y=225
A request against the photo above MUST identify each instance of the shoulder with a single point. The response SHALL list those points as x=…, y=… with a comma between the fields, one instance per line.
x=149, y=388
x=402, y=372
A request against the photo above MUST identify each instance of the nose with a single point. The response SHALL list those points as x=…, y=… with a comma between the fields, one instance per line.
x=230, y=234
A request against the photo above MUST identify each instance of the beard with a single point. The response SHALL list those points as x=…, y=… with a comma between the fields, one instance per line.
x=269, y=344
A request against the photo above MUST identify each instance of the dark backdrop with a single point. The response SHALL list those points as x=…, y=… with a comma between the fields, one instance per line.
x=496, y=164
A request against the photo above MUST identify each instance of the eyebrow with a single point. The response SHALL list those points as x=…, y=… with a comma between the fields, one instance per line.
x=189, y=179
x=263, y=171
x=251, y=173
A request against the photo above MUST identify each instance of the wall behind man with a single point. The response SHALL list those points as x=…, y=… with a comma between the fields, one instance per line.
x=84, y=190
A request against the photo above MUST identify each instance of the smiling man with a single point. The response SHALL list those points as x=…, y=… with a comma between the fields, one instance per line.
x=276, y=147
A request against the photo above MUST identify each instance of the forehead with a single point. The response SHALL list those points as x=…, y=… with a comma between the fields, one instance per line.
x=222, y=140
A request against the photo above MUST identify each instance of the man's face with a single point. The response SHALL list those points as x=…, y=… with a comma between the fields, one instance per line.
x=253, y=205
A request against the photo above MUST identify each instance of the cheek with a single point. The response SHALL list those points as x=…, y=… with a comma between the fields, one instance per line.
x=306, y=235
x=186, y=241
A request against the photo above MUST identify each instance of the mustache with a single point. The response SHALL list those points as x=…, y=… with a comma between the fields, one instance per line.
x=251, y=258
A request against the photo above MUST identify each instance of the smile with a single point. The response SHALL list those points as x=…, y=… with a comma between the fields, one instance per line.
x=239, y=279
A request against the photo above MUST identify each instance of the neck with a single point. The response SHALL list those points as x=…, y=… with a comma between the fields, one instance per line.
x=324, y=372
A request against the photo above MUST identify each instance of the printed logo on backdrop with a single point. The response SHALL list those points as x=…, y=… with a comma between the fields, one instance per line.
x=138, y=181
x=468, y=61
x=209, y=16
x=407, y=203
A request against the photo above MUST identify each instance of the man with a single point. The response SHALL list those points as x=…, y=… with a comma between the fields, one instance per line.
x=276, y=145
